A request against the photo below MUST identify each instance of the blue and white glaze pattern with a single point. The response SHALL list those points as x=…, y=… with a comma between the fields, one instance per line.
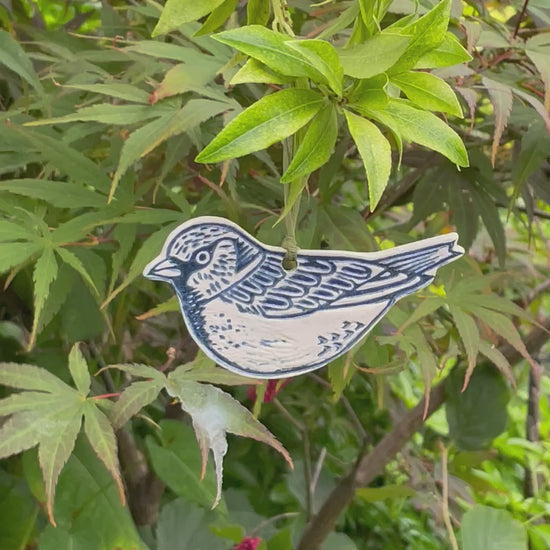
x=254, y=318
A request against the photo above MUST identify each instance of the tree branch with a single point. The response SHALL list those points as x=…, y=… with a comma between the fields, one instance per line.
x=372, y=465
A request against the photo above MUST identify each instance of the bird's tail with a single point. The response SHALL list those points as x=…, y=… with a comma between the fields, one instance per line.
x=425, y=256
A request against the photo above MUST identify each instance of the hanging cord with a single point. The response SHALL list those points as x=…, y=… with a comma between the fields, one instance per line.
x=291, y=219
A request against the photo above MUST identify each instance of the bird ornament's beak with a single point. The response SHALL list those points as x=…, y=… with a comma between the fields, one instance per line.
x=162, y=269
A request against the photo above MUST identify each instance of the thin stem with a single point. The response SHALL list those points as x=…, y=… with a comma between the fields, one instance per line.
x=271, y=520
x=445, y=496
x=520, y=18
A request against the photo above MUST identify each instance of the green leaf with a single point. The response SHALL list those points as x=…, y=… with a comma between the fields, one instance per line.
x=257, y=12
x=105, y=113
x=178, y=463
x=450, y=52
x=25, y=401
x=214, y=413
x=177, y=12
x=59, y=193
x=133, y=399
x=54, y=451
x=79, y=370
x=74, y=261
x=10, y=231
x=423, y=128
x=148, y=137
x=426, y=307
x=21, y=432
x=316, y=146
x=485, y=528
x=428, y=91
x=204, y=369
x=501, y=99
x=255, y=71
x=14, y=57
x=87, y=497
x=45, y=271
x=369, y=94
x=142, y=371
x=185, y=526
x=271, y=49
x=324, y=58
x=375, y=151
x=217, y=17
x=102, y=439
x=535, y=143
x=504, y=327
x=426, y=34
x=498, y=359
x=185, y=77
x=538, y=49
x=469, y=333
x=270, y=119
x=345, y=229
x=29, y=377
x=14, y=254
x=127, y=92
x=477, y=414
x=374, y=56
x=66, y=159
x=141, y=259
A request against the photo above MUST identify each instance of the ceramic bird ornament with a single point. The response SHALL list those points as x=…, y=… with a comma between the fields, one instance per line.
x=251, y=316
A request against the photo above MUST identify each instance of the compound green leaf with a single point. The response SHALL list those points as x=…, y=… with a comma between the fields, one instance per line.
x=423, y=128
x=485, y=528
x=100, y=434
x=428, y=91
x=375, y=151
x=136, y=396
x=324, y=58
x=14, y=57
x=177, y=12
x=316, y=146
x=79, y=370
x=374, y=56
x=270, y=119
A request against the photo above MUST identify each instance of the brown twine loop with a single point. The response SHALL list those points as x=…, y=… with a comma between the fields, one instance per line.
x=290, y=262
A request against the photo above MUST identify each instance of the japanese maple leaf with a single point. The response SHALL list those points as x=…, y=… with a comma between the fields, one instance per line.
x=49, y=413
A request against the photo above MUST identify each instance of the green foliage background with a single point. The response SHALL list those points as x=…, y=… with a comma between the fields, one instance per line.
x=347, y=124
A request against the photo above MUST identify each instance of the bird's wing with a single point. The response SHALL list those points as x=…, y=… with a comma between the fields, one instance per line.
x=318, y=283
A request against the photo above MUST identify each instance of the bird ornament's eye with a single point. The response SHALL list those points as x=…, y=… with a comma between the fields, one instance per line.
x=203, y=257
